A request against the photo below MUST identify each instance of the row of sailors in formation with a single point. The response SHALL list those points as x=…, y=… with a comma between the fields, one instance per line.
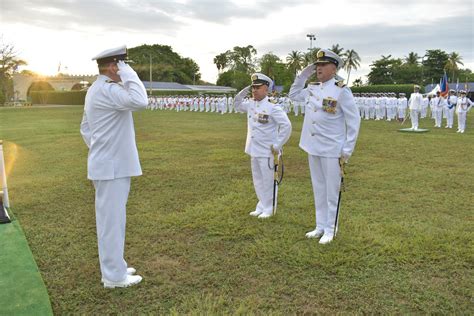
x=217, y=104
x=371, y=106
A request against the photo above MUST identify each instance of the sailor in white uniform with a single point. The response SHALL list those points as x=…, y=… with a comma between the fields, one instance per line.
x=107, y=129
x=463, y=106
x=452, y=101
x=330, y=130
x=268, y=129
x=415, y=104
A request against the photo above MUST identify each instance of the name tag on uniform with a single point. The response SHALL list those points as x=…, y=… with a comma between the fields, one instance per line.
x=329, y=105
x=263, y=118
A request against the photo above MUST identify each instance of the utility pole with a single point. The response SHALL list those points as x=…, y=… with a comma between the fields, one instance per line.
x=151, y=77
x=312, y=38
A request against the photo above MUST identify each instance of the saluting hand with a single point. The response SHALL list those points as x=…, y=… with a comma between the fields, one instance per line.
x=125, y=71
x=307, y=72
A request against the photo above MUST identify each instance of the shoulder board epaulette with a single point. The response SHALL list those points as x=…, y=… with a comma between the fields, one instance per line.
x=340, y=84
x=110, y=81
x=273, y=101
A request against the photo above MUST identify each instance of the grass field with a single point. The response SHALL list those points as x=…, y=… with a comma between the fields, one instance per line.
x=405, y=242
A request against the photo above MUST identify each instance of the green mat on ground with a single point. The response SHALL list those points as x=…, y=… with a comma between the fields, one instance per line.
x=22, y=290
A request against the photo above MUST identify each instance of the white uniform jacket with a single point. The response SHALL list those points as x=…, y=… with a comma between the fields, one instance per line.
x=329, y=129
x=267, y=125
x=463, y=105
x=107, y=127
x=416, y=101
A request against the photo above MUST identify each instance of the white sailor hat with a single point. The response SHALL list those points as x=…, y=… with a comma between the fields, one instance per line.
x=325, y=56
x=111, y=55
x=462, y=92
x=416, y=87
x=259, y=79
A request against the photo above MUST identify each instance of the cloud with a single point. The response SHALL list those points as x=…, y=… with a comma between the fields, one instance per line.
x=75, y=15
x=372, y=41
x=128, y=15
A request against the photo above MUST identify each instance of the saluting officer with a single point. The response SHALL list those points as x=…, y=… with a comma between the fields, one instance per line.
x=107, y=129
x=268, y=129
x=329, y=133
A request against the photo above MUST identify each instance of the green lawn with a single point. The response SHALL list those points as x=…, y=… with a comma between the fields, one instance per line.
x=405, y=242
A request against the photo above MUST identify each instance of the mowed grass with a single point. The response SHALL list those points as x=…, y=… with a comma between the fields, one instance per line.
x=405, y=242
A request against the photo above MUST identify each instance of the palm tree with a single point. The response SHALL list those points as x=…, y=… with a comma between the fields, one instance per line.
x=294, y=61
x=221, y=61
x=351, y=61
x=310, y=57
x=453, y=60
x=412, y=58
x=337, y=49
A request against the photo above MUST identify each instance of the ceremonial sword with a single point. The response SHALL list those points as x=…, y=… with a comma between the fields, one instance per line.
x=277, y=178
x=341, y=188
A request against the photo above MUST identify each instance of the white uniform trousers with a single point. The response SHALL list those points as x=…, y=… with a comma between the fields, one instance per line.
x=449, y=117
x=438, y=115
x=462, y=121
x=414, y=118
x=110, y=209
x=262, y=174
x=326, y=181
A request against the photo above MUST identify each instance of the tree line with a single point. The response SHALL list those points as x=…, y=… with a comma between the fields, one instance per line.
x=234, y=67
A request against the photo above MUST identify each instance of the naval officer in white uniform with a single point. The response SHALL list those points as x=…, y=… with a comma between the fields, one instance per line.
x=268, y=129
x=415, y=104
x=107, y=129
x=330, y=130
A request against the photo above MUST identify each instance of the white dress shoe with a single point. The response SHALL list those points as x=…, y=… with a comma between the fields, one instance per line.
x=317, y=233
x=129, y=281
x=326, y=239
x=265, y=215
x=130, y=271
x=255, y=213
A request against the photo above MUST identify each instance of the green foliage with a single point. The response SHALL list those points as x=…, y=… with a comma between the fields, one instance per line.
x=167, y=65
x=58, y=97
x=397, y=88
x=9, y=63
x=404, y=244
x=433, y=65
x=384, y=70
x=235, y=79
x=2, y=98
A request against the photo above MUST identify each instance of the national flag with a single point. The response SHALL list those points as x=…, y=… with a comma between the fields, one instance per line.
x=59, y=67
x=444, y=86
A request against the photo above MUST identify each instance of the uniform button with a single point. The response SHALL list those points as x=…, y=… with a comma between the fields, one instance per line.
x=251, y=136
x=250, y=116
x=314, y=122
x=312, y=134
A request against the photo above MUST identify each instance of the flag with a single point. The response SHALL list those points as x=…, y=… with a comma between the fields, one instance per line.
x=444, y=86
x=59, y=67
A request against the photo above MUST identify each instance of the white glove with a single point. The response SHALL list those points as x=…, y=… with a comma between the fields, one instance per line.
x=275, y=149
x=345, y=157
x=307, y=72
x=244, y=91
x=125, y=71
